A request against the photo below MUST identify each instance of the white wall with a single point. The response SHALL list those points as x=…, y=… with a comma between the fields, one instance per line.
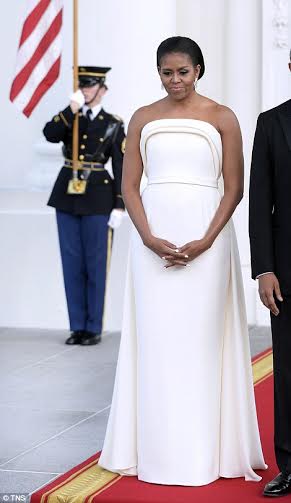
x=123, y=34
x=245, y=45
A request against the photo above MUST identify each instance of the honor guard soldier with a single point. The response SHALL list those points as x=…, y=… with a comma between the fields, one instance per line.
x=88, y=201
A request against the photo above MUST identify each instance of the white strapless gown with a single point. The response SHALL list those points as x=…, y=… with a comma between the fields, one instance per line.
x=183, y=409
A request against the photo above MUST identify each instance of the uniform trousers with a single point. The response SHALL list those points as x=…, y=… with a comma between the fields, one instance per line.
x=85, y=249
x=281, y=334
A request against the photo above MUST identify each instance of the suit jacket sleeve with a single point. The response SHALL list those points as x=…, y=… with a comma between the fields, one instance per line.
x=117, y=151
x=261, y=202
x=56, y=130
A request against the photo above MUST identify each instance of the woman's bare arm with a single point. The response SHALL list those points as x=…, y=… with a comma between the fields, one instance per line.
x=232, y=170
x=131, y=177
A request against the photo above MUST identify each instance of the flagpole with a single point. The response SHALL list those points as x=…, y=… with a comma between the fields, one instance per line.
x=76, y=85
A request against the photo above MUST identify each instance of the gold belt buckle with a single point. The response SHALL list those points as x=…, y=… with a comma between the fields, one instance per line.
x=76, y=186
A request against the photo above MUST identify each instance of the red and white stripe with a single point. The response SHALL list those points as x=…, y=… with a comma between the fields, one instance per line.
x=39, y=53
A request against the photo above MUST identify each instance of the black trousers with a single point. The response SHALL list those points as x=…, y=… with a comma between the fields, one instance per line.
x=281, y=334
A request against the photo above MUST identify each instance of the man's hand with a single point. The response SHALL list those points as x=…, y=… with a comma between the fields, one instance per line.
x=268, y=284
x=77, y=100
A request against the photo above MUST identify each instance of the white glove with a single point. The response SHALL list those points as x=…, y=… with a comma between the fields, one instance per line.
x=78, y=97
x=115, y=218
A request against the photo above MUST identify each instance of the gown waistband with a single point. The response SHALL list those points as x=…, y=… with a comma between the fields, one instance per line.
x=205, y=182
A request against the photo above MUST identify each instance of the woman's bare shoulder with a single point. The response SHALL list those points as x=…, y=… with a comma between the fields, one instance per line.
x=145, y=114
x=220, y=116
x=226, y=118
x=215, y=108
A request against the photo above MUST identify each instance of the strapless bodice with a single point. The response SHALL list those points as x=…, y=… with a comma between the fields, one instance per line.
x=181, y=151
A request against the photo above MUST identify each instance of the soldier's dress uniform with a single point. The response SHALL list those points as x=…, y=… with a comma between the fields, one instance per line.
x=82, y=219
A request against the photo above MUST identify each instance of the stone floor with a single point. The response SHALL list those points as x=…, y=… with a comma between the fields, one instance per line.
x=55, y=401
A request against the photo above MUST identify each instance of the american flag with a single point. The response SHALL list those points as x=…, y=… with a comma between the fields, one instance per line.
x=39, y=53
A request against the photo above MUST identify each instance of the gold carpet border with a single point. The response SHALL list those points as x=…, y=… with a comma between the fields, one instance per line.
x=85, y=485
x=92, y=480
x=261, y=356
x=74, y=475
x=262, y=368
x=104, y=488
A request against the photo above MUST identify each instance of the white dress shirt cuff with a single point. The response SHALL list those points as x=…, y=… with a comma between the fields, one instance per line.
x=263, y=274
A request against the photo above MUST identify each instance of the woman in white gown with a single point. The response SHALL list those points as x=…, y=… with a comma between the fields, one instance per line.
x=183, y=409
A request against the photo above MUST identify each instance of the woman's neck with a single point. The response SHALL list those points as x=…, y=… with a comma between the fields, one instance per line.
x=189, y=101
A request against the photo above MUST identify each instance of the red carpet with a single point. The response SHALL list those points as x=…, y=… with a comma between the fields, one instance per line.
x=87, y=483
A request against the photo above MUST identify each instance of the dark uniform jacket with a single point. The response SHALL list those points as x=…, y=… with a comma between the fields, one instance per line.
x=99, y=139
x=270, y=196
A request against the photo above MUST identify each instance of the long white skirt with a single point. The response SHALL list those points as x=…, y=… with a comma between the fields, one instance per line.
x=183, y=409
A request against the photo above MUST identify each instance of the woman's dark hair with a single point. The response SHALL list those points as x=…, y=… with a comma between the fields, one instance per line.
x=184, y=45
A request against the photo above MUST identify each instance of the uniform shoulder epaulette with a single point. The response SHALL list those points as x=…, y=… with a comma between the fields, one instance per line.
x=119, y=119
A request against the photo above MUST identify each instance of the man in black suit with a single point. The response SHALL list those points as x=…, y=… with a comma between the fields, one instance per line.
x=88, y=201
x=270, y=238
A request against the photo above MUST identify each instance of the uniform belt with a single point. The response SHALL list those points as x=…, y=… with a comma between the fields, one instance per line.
x=92, y=166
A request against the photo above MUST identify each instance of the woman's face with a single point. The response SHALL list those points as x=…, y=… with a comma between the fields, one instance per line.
x=178, y=74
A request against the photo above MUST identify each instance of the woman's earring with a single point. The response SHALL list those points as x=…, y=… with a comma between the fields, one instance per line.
x=195, y=83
